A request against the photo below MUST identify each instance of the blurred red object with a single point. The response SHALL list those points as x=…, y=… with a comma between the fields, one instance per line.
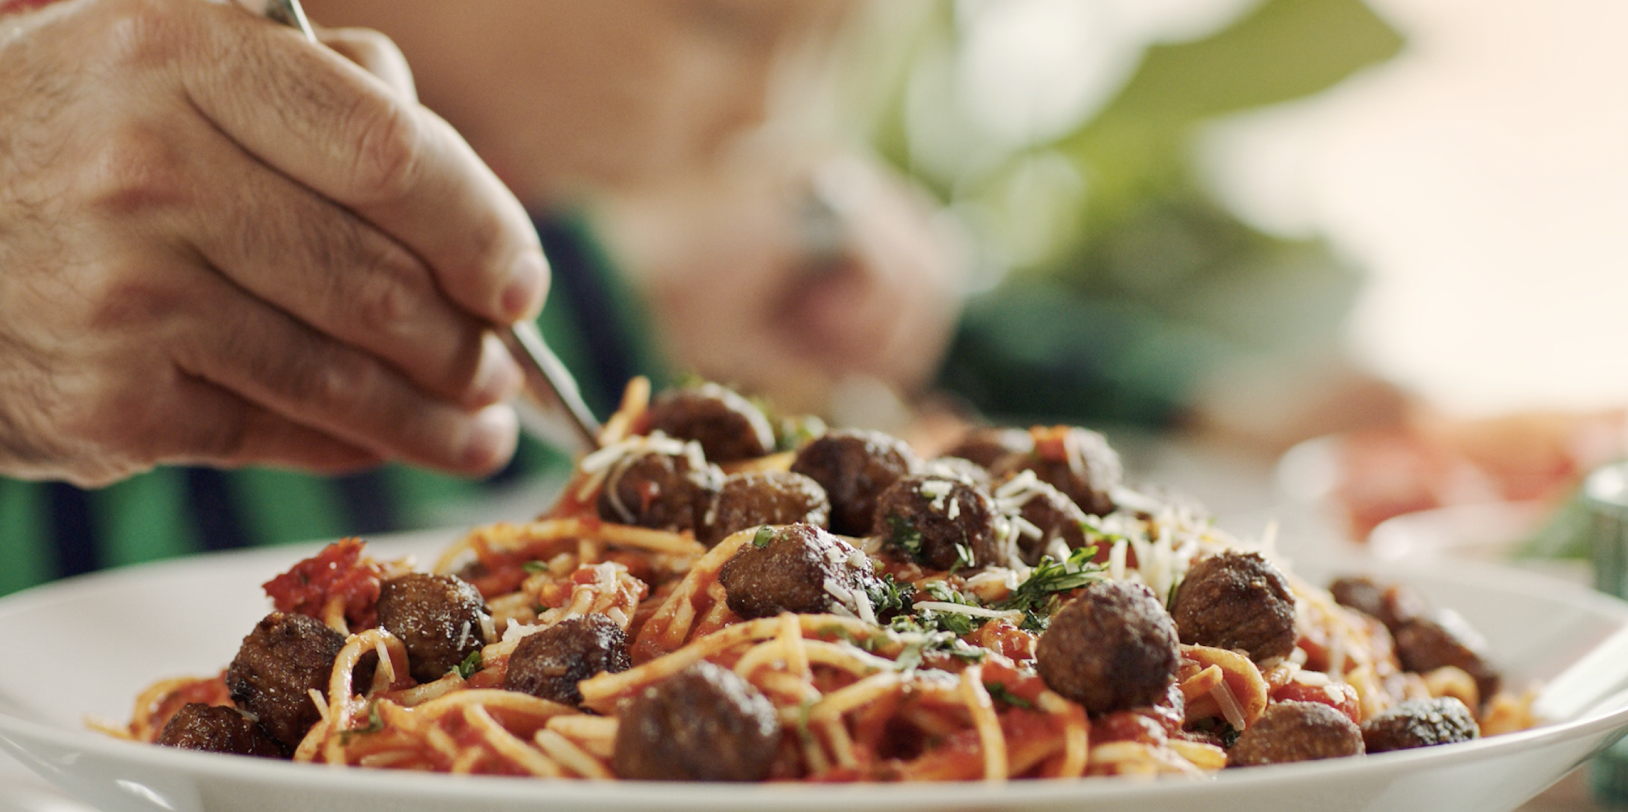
x=1431, y=460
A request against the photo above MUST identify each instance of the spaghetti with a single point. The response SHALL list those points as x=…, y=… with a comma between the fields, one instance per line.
x=871, y=666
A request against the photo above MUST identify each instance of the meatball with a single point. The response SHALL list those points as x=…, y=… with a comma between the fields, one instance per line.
x=1296, y=731
x=275, y=669
x=764, y=497
x=549, y=664
x=1428, y=643
x=701, y=724
x=801, y=569
x=1075, y=461
x=1392, y=604
x=1046, y=510
x=728, y=426
x=986, y=444
x=854, y=467
x=958, y=468
x=1419, y=723
x=1236, y=601
x=940, y=523
x=1112, y=648
x=440, y=618
x=660, y=491
x=218, y=729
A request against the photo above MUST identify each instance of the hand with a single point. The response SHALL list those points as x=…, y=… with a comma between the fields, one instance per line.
x=752, y=287
x=222, y=245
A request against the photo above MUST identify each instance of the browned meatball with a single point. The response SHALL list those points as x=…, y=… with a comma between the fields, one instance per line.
x=218, y=729
x=986, y=444
x=854, y=467
x=1391, y=604
x=800, y=569
x=939, y=523
x=275, y=669
x=728, y=426
x=1077, y=462
x=1428, y=643
x=1112, y=648
x=1047, y=510
x=1236, y=601
x=440, y=618
x=549, y=664
x=958, y=468
x=702, y=724
x=660, y=491
x=1296, y=731
x=764, y=497
x=1420, y=723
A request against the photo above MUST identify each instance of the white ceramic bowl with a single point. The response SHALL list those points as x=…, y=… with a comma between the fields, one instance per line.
x=88, y=646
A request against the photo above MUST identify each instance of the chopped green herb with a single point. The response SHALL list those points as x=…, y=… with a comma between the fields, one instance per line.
x=1037, y=597
x=470, y=665
x=953, y=622
x=802, y=721
x=922, y=638
x=374, y=724
x=889, y=596
x=904, y=536
x=942, y=591
x=1000, y=693
x=535, y=566
x=792, y=432
x=765, y=535
x=1220, y=728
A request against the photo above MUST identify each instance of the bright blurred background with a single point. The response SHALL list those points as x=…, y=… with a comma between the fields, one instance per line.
x=1220, y=180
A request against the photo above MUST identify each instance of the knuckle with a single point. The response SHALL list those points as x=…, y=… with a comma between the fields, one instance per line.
x=135, y=170
x=124, y=295
x=339, y=384
x=388, y=141
x=385, y=296
x=140, y=34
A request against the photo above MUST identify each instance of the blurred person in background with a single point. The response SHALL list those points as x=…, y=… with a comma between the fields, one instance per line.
x=564, y=101
x=1109, y=286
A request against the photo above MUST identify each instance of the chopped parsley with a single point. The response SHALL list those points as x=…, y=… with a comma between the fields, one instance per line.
x=1000, y=693
x=792, y=432
x=764, y=537
x=943, y=592
x=904, y=536
x=922, y=639
x=535, y=567
x=374, y=724
x=889, y=596
x=470, y=665
x=1037, y=596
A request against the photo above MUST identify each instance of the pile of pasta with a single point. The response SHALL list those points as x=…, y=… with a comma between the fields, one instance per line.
x=911, y=670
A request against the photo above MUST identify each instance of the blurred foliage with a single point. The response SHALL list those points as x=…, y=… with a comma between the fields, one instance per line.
x=1143, y=285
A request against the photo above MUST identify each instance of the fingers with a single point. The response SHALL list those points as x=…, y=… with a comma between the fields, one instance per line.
x=374, y=53
x=227, y=431
x=339, y=131
x=339, y=275
x=281, y=365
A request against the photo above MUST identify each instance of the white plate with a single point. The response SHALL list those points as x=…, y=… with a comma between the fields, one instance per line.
x=89, y=645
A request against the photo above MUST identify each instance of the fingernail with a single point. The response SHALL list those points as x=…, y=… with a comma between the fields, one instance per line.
x=497, y=376
x=493, y=433
x=528, y=283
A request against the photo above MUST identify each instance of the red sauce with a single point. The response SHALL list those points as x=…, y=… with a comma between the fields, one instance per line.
x=338, y=570
x=1339, y=696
